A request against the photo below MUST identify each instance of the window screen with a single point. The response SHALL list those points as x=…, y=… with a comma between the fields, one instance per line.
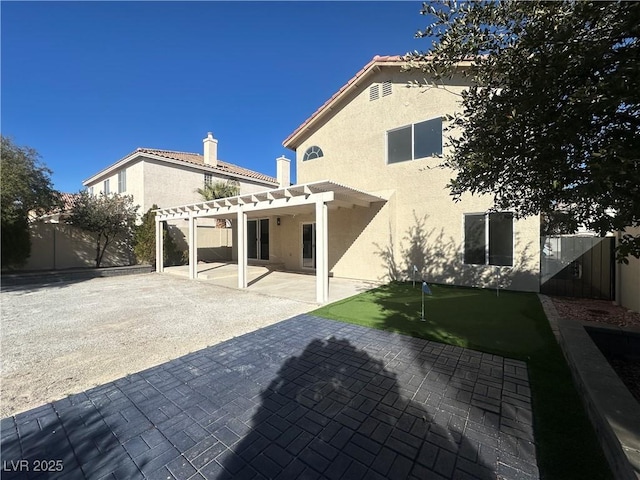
x=427, y=138
x=501, y=239
x=399, y=145
x=474, y=239
x=122, y=181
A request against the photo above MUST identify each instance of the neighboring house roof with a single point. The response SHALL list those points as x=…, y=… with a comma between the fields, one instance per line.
x=66, y=203
x=195, y=159
x=294, y=140
x=68, y=200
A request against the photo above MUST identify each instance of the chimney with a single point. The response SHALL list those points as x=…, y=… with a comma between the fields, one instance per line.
x=210, y=150
x=283, y=169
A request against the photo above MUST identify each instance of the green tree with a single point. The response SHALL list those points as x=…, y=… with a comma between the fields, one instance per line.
x=26, y=189
x=215, y=190
x=109, y=217
x=144, y=241
x=551, y=120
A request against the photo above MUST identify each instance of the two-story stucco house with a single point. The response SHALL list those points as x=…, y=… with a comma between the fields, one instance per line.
x=371, y=201
x=165, y=177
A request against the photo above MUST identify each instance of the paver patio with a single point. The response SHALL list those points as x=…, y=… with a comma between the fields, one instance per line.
x=304, y=398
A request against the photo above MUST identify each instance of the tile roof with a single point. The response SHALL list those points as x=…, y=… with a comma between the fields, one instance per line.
x=293, y=140
x=67, y=200
x=64, y=206
x=198, y=159
x=376, y=61
x=187, y=157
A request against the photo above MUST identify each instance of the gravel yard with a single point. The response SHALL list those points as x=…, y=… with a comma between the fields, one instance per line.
x=64, y=338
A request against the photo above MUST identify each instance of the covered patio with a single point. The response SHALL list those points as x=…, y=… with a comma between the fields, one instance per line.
x=269, y=280
x=315, y=199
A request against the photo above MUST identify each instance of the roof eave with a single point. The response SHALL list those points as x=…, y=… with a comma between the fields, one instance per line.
x=204, y=167
x=293, y=141
x=114, y=166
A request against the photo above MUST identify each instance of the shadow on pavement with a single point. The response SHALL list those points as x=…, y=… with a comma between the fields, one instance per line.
x=336, y=411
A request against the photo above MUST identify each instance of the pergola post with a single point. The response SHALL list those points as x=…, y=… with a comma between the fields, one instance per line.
x=322, y=252
x=242, y=249
x=193, y=248
x=159, y=247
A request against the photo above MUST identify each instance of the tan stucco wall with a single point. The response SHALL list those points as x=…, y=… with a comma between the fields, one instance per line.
x=58, y=246
x=169, y=186
x=151, y=182
x=214, y=244
x=420, y=207
x=628, y=286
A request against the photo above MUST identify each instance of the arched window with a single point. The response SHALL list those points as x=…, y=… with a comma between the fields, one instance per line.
x=312, y=152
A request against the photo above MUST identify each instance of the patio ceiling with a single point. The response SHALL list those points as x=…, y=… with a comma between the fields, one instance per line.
x=294, y=200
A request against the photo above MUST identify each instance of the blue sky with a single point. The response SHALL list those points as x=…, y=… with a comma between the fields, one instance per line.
x=86, y=83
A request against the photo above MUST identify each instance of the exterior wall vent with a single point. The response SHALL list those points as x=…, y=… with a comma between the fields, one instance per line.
x=386, y=88
x=374, y=92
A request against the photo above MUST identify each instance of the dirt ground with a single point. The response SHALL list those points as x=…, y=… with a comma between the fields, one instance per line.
x=607, y=313
x=67, y=337
x=600, y=311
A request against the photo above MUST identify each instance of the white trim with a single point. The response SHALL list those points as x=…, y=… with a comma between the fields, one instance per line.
x=159, y=246
x=313, y=245
x=412, y=126
x=242, y=249
x=193, y=248
x=486, y=215
x=322, y=252
x=296, y=195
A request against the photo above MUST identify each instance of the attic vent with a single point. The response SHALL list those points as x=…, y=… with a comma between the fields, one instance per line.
x=386, y=88
x=374, y=93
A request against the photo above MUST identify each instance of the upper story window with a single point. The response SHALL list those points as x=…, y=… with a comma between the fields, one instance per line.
x=488, y=239
x=105, y=187
x=90, y=190
x=122, y=181
x=312, y=152
x=208, y=179
x=415, y=141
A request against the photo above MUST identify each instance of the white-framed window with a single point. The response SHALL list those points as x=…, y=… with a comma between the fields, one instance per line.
x=90, y=190
x=488, y=238
x=418, y=140
x=105, y=187
x=122, y=181
x=208, y=179
x=312, y=152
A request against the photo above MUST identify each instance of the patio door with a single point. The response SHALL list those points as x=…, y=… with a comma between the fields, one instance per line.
x=309, y=245
x=258, y=239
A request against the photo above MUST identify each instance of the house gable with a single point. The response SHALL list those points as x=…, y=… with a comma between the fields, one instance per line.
x=352, y=134
x=167, y=177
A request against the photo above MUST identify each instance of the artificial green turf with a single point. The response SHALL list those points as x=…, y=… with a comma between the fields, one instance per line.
x=511, y=324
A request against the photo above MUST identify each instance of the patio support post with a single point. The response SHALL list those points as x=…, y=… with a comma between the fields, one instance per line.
x=322, y=252
x=159, y=247
x=242, y=249
x=193, y=247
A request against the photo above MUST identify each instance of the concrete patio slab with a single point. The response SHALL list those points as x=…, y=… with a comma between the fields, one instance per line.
x=303, y=398
x=64, y=336
x=268, y=280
